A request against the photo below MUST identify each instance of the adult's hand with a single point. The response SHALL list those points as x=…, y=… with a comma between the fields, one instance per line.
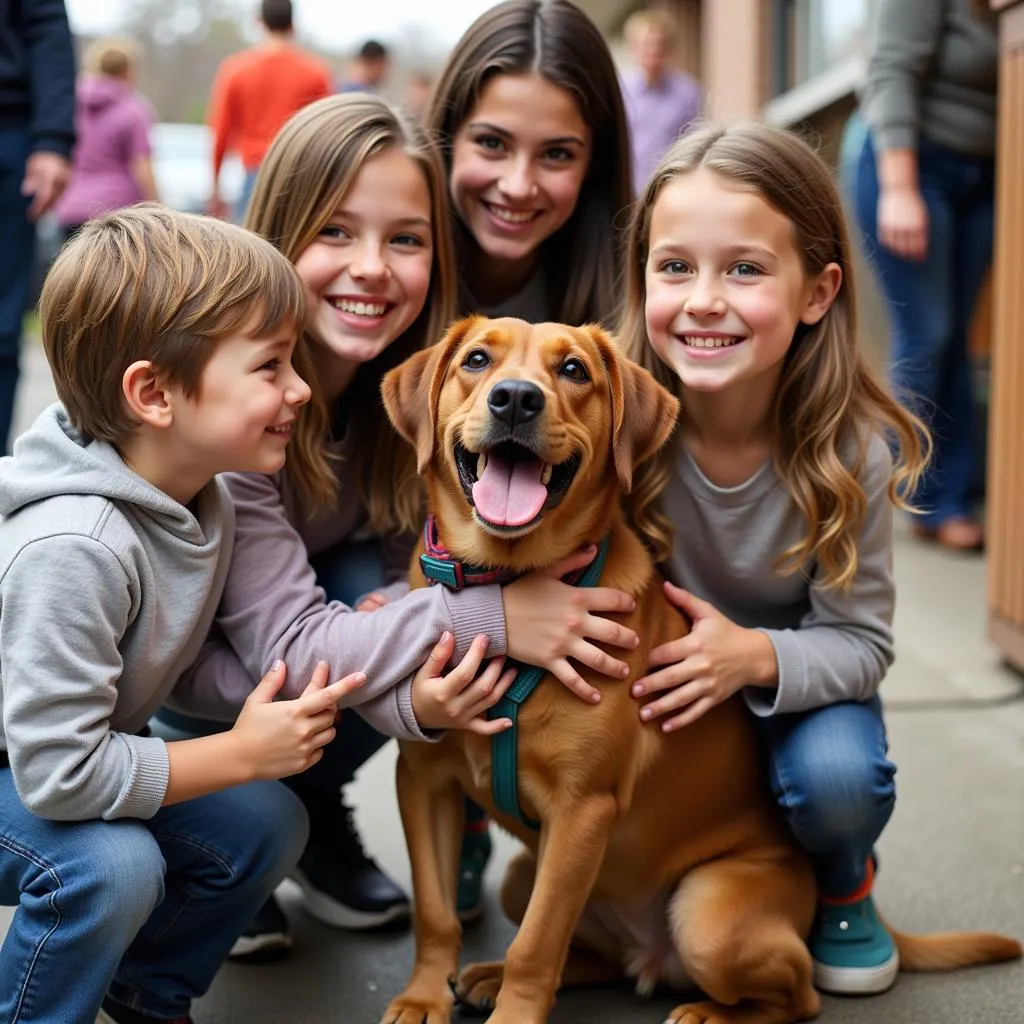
x=903, y=222
x=46, y=176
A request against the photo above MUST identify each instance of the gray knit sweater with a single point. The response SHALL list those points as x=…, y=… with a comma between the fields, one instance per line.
x=932, y=74
x=830, y=645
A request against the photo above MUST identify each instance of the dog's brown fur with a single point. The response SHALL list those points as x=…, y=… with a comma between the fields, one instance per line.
x=680, y=827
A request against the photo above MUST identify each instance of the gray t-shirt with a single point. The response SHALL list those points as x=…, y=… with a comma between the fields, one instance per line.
x=933, y=72
x=830, y=645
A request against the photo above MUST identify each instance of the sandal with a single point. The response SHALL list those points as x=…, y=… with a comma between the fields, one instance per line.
x=958, y=533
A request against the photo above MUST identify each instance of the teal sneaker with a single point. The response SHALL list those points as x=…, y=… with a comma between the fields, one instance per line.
x=473, y=860
x=853, y=952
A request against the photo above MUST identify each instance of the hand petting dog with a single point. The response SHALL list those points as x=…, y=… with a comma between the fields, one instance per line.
x=706, y=667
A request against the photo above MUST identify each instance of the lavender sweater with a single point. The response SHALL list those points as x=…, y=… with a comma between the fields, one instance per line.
x=272, y=608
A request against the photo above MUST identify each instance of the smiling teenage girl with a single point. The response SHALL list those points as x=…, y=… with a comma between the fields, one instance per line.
x=774, y=505
x=533, y=132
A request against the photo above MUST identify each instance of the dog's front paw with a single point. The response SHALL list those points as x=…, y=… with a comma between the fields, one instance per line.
x=707, y=1012
x=478, y=986
x=412, y=1008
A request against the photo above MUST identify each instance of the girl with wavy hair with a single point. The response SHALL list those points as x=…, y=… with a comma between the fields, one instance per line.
x=772, y=509
x=354, y=196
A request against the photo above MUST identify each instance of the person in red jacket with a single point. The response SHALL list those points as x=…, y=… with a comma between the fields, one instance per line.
x=255, y=92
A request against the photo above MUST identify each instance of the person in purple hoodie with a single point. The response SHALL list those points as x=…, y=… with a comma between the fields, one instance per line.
x=112, y=166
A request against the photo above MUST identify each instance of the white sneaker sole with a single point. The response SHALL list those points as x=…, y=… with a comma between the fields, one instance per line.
x=248, y=945
x=330, y=912
x=857, y=981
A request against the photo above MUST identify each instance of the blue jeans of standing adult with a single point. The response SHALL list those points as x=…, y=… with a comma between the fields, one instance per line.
x=144, y=911
x=930, y=308
x=830, y=773
x=16, y=253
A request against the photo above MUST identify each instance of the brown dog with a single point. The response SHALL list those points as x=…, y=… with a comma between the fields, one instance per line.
x=526, y=438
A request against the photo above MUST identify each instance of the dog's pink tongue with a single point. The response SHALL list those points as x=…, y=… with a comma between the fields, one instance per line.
x=510, y=493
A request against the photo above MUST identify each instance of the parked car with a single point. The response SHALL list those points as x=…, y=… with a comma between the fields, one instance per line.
x=183, y=165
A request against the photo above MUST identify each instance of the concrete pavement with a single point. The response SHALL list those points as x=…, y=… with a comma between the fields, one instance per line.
x=952, y=857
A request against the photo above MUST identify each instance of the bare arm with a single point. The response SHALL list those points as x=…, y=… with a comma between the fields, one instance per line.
x=142, y=172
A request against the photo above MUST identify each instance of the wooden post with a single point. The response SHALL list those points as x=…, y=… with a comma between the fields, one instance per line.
x=1005, y=528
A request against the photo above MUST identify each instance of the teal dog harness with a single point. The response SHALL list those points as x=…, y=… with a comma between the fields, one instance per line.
x=439, y=567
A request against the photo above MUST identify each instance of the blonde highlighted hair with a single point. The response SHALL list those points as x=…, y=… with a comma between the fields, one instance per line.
x=653, y=19
x=148, y=283
x=830, y=402
x=310, y=166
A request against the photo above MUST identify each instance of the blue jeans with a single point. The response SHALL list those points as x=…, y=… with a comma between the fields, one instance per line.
x=930, y=308
x=16, y=254
x=144, y=911
x=832, y=778
x=346, y=572
x=242, y=203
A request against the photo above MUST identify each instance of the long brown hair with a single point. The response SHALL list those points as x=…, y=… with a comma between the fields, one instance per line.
x=555, y=39
x=309, y=167
x=830, y=401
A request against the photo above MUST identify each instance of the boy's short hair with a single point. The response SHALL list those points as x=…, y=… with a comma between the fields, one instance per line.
x=148, y=283
x=372, y=50
x=276, y=15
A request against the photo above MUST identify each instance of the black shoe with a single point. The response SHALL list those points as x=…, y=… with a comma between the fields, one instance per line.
x=115, y=1013
x=342, y=886
x=266, y=938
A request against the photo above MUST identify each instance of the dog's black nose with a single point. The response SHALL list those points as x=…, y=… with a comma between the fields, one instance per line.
x=515, y=402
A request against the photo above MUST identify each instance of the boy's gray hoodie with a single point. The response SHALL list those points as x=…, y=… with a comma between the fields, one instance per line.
x=107, y=590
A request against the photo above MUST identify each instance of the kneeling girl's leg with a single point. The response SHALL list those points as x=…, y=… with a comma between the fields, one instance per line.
x=833, y=779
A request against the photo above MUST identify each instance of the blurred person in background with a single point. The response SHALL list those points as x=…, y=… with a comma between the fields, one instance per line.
x=416, y=96
x=255, y=92
x=37, y=131
x=661, y=102
x=368, y=71
x=924, y=192
x=112, y=165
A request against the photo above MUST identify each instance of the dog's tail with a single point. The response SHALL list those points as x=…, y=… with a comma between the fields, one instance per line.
x=946, y=951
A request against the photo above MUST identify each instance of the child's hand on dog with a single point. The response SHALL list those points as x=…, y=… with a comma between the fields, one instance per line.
x=459, y=699
x=707, y=666
x=547, y=622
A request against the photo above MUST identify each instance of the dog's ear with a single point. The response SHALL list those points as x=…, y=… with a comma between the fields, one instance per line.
x=643, y=411
x=410, y=391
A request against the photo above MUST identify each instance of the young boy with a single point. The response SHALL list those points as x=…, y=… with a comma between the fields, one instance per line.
x=136, y=863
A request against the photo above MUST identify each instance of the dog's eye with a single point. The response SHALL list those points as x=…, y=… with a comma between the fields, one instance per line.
x=574, y=370
x=478, y=359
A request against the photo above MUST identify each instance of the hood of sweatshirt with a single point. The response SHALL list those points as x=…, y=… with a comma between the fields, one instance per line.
x=53, y=458
x=97, y=93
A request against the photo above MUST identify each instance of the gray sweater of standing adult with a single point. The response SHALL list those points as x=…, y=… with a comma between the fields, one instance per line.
x=932, y=72
x=830, y=644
